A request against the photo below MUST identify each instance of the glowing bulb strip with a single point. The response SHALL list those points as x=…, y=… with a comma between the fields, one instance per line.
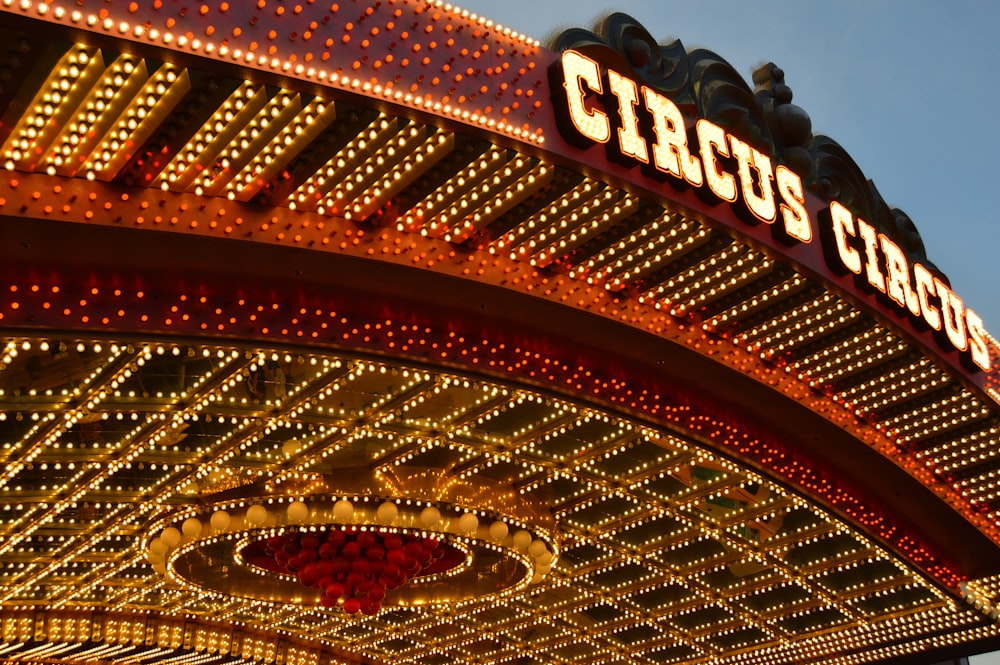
x=205, y=147
x=53, y=106
x=289, y=142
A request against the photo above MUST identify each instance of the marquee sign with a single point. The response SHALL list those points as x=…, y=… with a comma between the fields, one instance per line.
x=640, y=126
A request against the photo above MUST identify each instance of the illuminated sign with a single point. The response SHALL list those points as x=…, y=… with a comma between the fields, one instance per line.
x=640, y=126
x=854, y=246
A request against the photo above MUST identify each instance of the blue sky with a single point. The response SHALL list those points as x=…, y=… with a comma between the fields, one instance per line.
x=909, y=88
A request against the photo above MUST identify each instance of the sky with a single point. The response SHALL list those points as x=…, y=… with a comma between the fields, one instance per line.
x=909, y=88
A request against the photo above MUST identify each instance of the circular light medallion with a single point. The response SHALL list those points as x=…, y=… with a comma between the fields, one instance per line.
x=409, y=537
x=352, y=567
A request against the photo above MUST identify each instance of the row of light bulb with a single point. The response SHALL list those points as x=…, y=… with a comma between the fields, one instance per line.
x=298, y=512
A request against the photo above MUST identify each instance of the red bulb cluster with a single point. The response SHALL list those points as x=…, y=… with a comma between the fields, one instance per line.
x=354, y=569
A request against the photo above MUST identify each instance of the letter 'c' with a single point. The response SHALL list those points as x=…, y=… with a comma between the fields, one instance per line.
x=843, y=226
x=712, y=142
x=577, y=71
